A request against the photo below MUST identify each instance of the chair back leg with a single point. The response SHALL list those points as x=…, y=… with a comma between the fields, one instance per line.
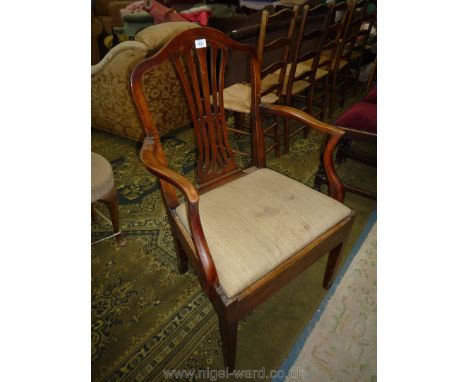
x=110, y=200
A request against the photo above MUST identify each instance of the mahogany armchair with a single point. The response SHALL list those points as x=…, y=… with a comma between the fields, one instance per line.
x=246, y=233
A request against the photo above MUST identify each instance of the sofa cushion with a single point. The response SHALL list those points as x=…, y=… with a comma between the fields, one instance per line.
x=256, y=222
x=361, y=116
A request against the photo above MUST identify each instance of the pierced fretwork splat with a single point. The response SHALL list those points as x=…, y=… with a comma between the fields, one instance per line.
x=201, y=71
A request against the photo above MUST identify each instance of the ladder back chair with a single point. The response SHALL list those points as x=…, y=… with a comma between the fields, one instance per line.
x=274, y=38
x=369, y=22
x=304, y=72
x=330, y=50
x=245, y=233
x=340, y=67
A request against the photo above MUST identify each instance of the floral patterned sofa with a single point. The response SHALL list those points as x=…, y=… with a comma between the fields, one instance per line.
x=112, y=106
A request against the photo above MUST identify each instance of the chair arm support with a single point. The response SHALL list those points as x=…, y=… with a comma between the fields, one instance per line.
x=154, y=166
x=334, y=135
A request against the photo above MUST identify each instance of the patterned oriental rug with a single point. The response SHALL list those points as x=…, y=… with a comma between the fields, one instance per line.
x=146, y=317
x=340, y=342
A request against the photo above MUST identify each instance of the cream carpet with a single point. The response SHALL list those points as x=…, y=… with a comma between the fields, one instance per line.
x=340, y=342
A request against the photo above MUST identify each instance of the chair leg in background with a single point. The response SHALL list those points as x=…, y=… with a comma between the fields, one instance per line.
x=182, y=259
x=332, y=265
x=324, y=98
x=110, y=200
x=286, y=135
x=331, y=105
x=343, y=89
x=228, y=327
x=340, y=154
x=320, y=178
x=277, y=138
x=94, y=217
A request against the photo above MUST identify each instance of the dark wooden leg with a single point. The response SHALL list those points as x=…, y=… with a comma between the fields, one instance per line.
x=358, y=73
x=340, y=152
x=277, y=137
x=94, y=217
x=308, y=109
x=236, y=120
x=320, y=177
x=228, y=326
x=324, y=97
x=332, y=265
x=286, y=135
x=343, y=88
x=331, y=106
x=182, y=259
x=110, y=200
x=237, y=123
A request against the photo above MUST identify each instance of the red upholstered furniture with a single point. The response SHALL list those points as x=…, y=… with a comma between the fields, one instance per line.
x=371, y=97
x=360, y=124
x=362, y=116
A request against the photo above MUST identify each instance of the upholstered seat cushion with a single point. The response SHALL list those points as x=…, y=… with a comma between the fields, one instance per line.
x=323, y=61
x=102, y=177
x=237, y=98
x=301, y=85
x=361, y=116
x=256, y=222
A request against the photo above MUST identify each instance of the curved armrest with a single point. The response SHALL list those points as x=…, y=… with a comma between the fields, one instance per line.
x=302, y=117
x=156, y=167
x=334, y=135
x=162, y=171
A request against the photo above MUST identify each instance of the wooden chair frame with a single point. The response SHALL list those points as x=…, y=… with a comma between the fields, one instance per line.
x=320, y=91
x=308, y=56
x=360, y=47
x=203, y=88
x=285, y=20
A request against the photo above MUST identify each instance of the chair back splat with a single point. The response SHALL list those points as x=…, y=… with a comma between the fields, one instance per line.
x=200, y=61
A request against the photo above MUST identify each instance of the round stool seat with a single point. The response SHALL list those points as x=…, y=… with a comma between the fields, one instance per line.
x=102, y=177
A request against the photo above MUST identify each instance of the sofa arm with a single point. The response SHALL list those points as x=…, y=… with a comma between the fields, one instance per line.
x=112, y=107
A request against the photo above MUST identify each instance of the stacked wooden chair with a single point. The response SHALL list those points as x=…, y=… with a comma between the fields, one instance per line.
x=245, y=233
x=340, y=65
x=274, y=35
x=362, y=46
x=304, y=73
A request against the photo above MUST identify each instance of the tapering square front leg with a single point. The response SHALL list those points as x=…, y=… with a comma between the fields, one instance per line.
x=228, y=327
x=332, y=265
